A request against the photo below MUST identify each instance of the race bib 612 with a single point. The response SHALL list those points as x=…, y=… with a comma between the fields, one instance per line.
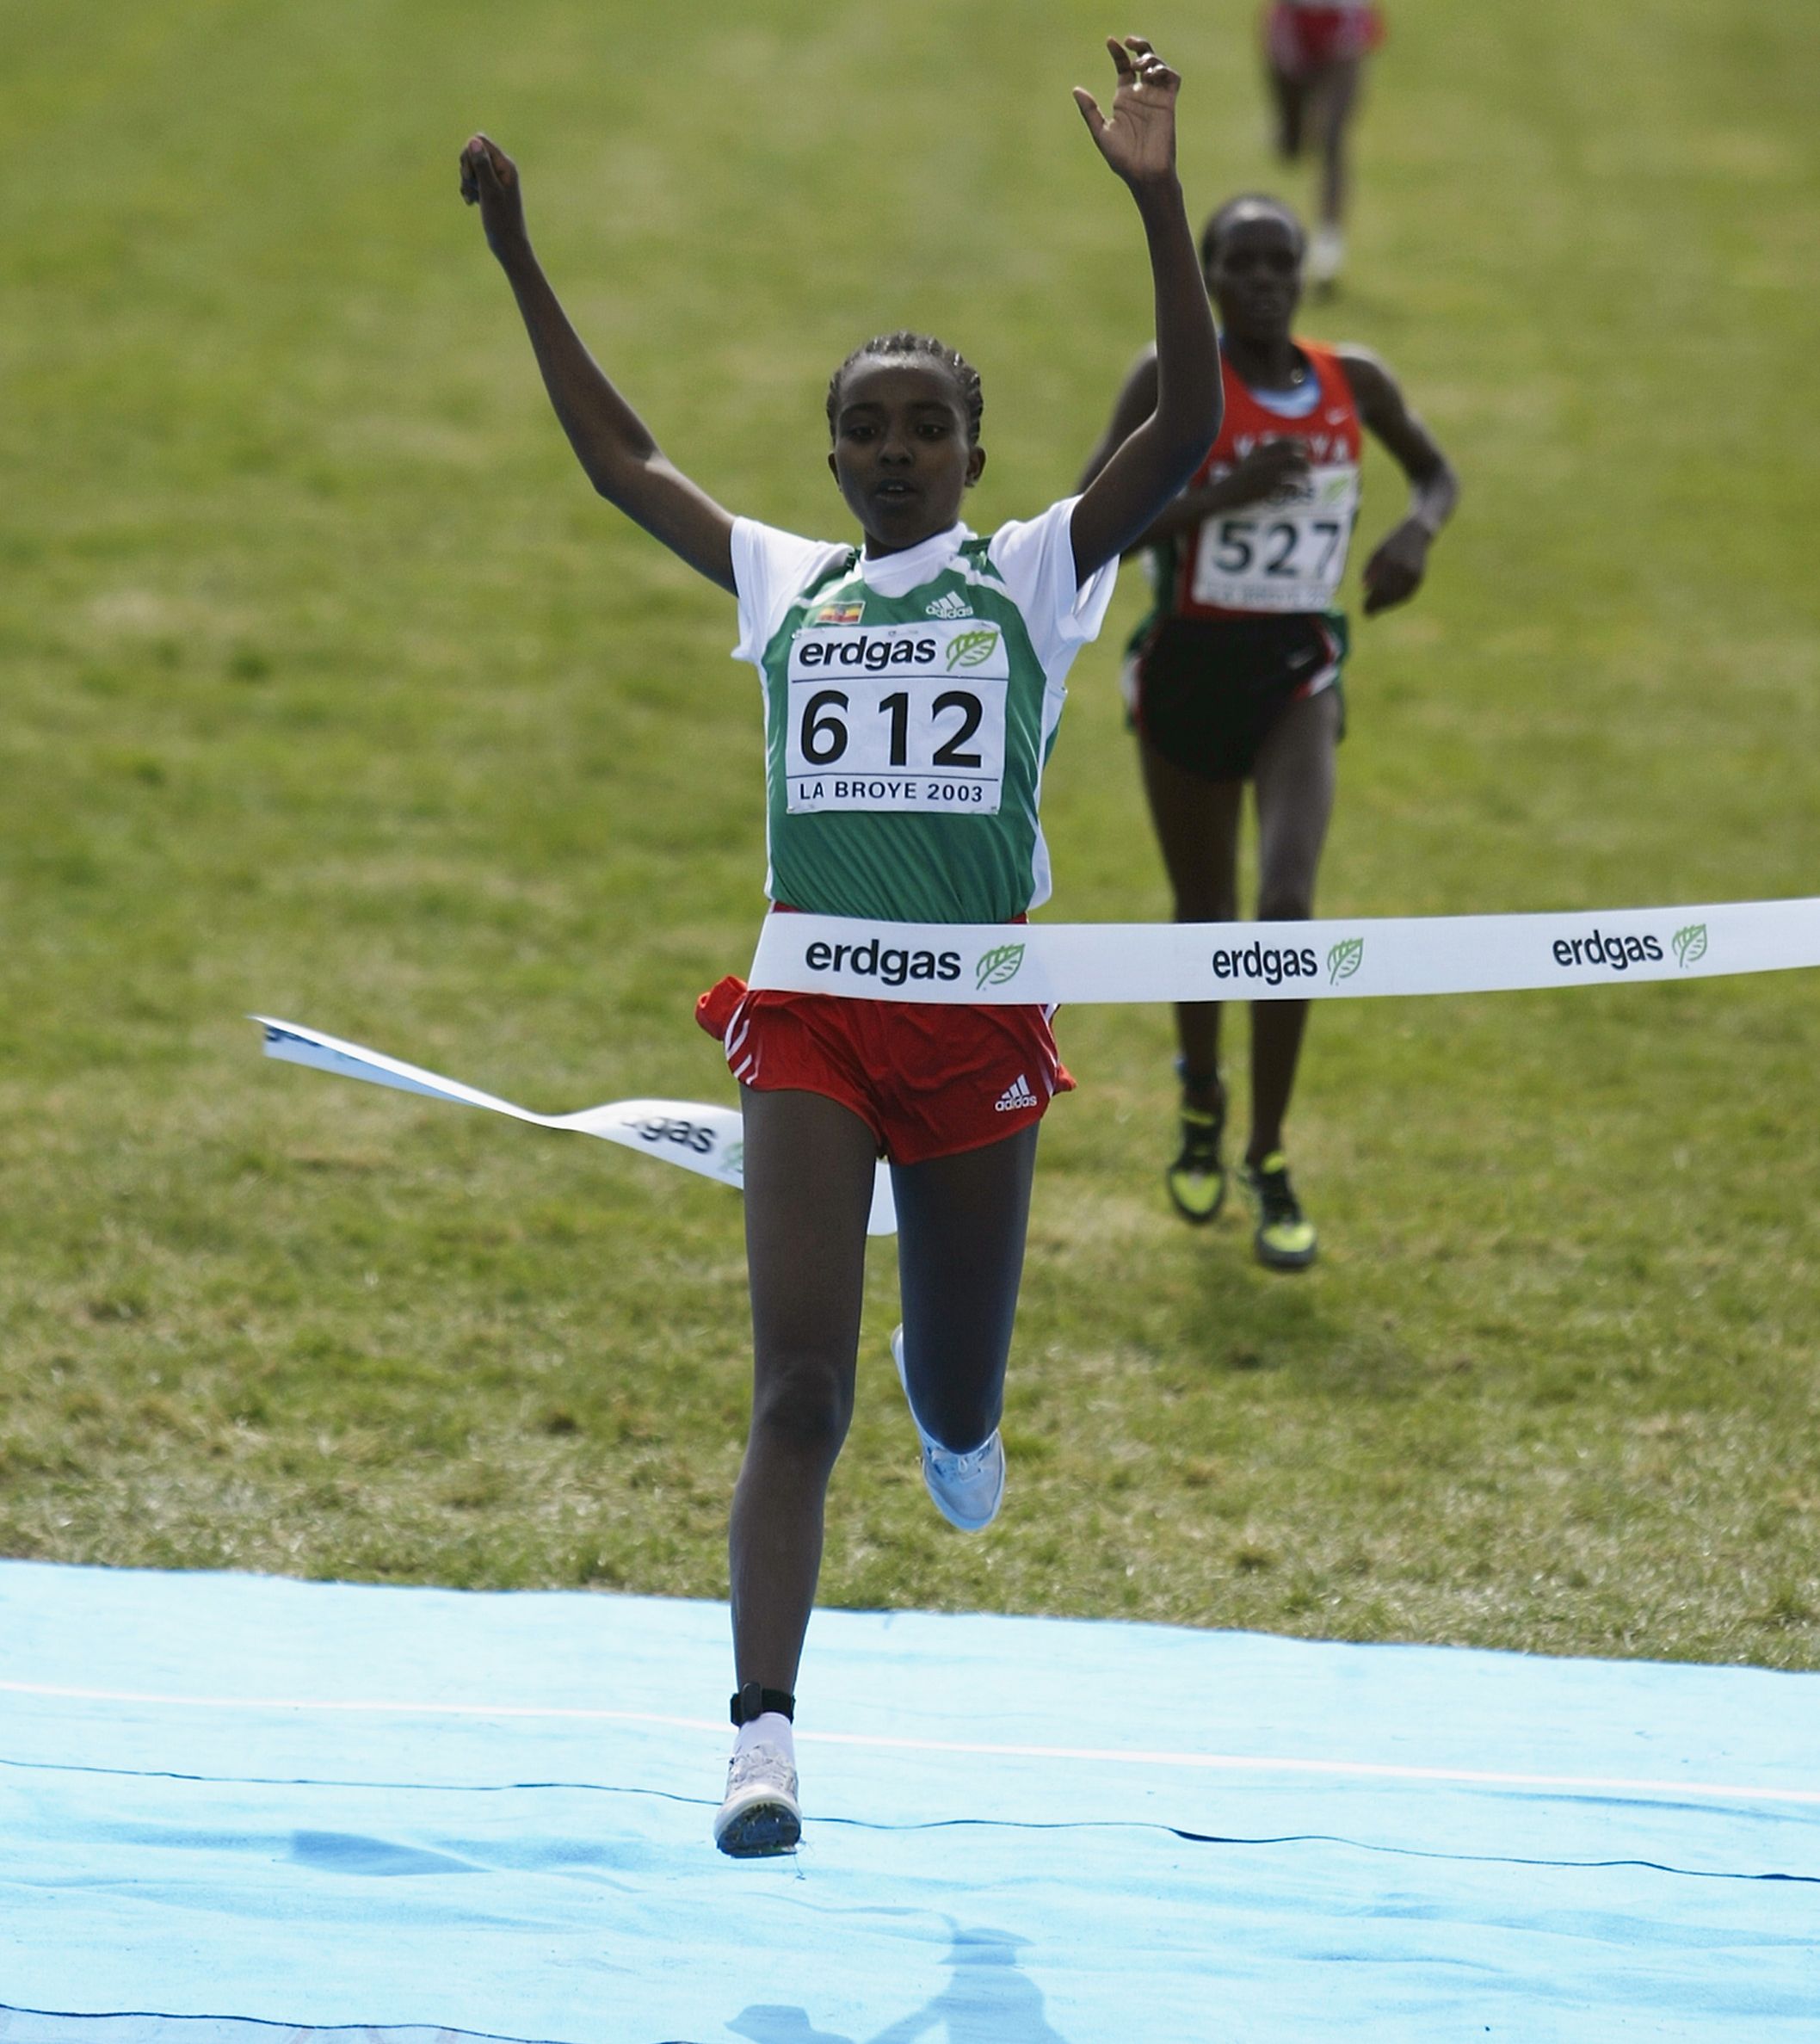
x=898, y=716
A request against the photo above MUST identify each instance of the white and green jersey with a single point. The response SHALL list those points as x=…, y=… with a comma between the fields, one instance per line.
x=910, y=705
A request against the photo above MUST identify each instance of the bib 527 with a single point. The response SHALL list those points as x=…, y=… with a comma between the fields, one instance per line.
x=1287, y=554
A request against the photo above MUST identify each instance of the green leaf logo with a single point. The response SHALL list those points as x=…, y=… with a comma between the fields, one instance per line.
x=1344, y=959
x=734, y=1161
x=972, y=649
x=1690, y=944
x=997, y=966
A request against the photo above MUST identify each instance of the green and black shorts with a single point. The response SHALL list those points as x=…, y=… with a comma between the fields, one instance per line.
x=1206, y=692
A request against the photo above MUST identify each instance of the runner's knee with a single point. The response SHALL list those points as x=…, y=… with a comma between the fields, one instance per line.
x=958, y=1402
x=1285, y=901
x=803, y=1402
x=959, y=1421
x=1206, y=905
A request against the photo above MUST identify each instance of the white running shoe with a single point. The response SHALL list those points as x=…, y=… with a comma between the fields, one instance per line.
x=1326, y=257
x=968, y=1489
x=761, y=1814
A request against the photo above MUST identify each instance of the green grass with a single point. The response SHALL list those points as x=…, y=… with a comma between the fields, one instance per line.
x=330, y=691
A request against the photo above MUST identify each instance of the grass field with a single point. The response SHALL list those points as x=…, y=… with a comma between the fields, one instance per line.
x=332, y=691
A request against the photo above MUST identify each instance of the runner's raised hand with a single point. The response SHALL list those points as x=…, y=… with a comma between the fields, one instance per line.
x=490, y=180
x=1137, y=139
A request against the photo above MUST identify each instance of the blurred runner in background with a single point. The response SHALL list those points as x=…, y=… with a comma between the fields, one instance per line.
x=1315, y=52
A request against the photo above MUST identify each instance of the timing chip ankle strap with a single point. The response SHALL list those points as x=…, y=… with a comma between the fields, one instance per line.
x=750, y=1700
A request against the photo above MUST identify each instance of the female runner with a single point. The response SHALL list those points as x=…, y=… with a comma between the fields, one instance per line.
x=1314, y=58
x=1235, y=676
x=911, y=687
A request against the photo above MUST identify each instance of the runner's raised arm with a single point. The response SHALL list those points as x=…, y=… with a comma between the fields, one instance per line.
x=611, y=442
x=1164, y=447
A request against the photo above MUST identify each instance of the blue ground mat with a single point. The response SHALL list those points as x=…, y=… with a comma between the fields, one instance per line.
x=238, y=1808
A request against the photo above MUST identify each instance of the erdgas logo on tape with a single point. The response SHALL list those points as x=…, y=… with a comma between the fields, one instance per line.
x=894, y=965
x=999, y=967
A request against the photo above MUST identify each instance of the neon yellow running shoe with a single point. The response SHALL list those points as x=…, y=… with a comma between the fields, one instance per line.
x=1285, y=1240
x=1197, y=1179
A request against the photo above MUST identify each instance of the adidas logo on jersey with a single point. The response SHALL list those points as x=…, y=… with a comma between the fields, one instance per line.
x=1016, y=1096
x=953, y=604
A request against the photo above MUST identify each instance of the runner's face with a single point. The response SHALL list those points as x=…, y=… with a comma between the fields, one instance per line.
x=1255, y=277
x=901, y=454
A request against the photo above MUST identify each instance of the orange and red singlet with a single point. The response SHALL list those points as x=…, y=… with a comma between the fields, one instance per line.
x=1288, y=554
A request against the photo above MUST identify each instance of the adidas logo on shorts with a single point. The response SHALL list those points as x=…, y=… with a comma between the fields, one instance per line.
x=1017, y=1094
x=952, y=604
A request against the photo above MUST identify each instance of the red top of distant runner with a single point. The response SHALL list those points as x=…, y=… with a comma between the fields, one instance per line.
x=1303, y=35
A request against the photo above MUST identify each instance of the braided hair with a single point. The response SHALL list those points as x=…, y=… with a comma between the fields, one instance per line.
x=915, y=347
x=1235, y=209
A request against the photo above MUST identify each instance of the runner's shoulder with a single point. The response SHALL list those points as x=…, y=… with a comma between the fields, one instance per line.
x=1366, y=373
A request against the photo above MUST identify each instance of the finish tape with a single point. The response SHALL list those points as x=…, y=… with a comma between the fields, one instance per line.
x=1007, y=964
x=1018, y=965
x=707, y=1141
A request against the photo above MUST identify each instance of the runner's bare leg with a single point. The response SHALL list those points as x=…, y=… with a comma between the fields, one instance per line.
x=1333, y=96
x=961, y=1223
x=809, y=1170
x=1294, y=779
x=1289, y=101
x=1197, y=824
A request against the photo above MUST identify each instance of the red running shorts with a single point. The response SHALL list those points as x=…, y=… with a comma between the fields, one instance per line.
x=929, y=1081
x=1300, y=39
